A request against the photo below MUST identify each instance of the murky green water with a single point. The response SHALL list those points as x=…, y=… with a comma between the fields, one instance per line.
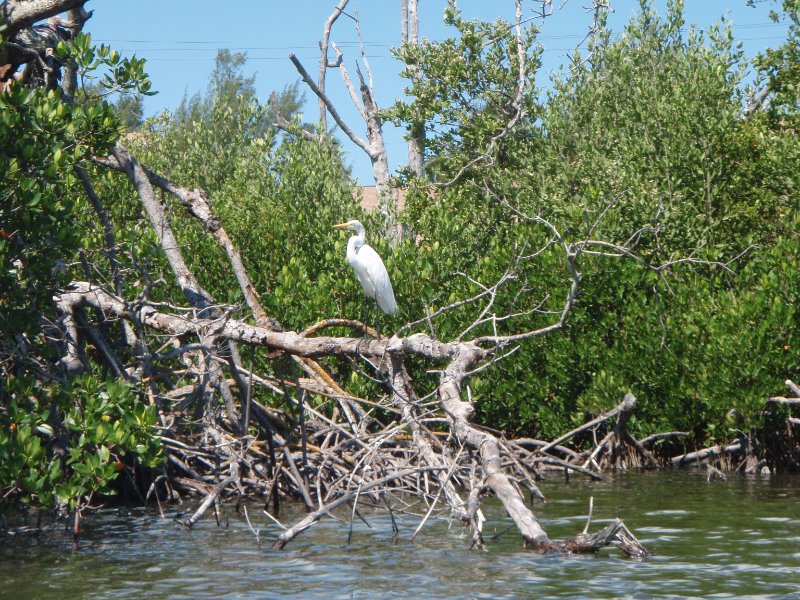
x=724, y=540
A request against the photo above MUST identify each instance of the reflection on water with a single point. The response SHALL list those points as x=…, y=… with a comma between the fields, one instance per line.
x=734, y=539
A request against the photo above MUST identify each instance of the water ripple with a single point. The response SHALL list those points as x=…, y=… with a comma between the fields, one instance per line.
x=737, y=540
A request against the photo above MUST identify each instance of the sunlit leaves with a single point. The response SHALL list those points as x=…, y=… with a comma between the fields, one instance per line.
x=464, y=90
x=43, y=136
x=60, y=443
x=647, y=134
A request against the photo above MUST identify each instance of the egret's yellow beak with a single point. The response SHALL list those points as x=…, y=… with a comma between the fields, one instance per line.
x=342, y=225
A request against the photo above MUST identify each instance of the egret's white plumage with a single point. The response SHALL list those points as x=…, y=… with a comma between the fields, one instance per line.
x=369, y=268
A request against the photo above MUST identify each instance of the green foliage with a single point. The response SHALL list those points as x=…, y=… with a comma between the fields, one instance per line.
x=43, y=137
x=464, y=90
x=277, y=197
x=230, y=92
x=651, y=128
x=130, y=110
x=226, y=85
x=59, y=444
x=650, y=133
x=640, y=145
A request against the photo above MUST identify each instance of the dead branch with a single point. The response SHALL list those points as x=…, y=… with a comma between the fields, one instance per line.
x=702, y=455
x=374, y=145
x=794, y=401
x=403, y=397
x=323, y=60
x=361, y=143
x=593, y=423
x=759, y=100
x=485, y=444
x=192, y=290
x=33, y=45
x=784, y=401
x=521, y=443
x=281, y=122
x=460, y=356
x=572, y=254
x=210, y=498
x=290, y=533
x=199, y=206
x=661, y=436
x=566, y=467
x=713, y=473
x=614, y=533
x=619, y=440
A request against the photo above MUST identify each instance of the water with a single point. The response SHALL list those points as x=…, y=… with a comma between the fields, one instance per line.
x=722, y=540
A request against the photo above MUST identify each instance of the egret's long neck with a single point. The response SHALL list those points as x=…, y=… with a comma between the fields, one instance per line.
x=354, y=245
x=357, y=240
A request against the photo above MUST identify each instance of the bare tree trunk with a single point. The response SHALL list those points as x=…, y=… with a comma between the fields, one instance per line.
x=459, y=413
x=387, y=201
x=410, y=35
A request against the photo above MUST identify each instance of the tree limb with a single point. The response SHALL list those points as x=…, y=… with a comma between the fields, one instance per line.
x=329, y=105
x=19, y=14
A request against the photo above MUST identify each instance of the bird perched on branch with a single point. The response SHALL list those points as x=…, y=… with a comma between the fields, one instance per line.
x=369, y=268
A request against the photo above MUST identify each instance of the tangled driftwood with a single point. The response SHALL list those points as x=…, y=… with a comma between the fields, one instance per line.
x=330, y=450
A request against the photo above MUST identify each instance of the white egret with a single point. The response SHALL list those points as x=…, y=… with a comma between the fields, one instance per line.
x=369, y=268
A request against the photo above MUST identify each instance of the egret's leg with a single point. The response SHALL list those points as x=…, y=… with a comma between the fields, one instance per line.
x=377, y=319
x=366, y=314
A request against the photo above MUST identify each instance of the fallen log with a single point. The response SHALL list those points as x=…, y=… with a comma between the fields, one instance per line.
x=699, y=456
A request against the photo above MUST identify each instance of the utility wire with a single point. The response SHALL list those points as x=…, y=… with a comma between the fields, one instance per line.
x=379, y=44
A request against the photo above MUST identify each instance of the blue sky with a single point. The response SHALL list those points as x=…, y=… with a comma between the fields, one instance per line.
x=180, y=38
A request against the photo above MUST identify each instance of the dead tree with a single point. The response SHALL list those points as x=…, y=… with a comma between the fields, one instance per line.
x=758, y=451
x=362, y=95
x=619, y=447
x=363, y=98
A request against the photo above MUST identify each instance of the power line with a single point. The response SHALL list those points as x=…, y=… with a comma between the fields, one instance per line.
x=224, y=43
x=252, y=58
x=379, y=44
